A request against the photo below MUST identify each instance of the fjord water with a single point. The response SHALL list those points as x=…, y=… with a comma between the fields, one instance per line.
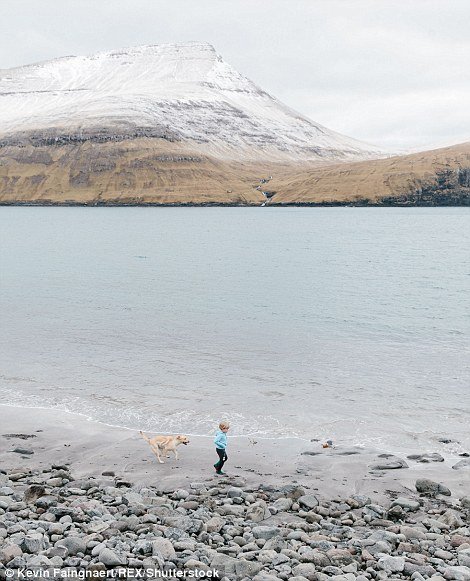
x=342, y=323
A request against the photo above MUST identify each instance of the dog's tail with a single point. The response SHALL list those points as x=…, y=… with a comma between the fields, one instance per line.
x=144, y=436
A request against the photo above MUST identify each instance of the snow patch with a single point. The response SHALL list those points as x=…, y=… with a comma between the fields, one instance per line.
x=186, y=87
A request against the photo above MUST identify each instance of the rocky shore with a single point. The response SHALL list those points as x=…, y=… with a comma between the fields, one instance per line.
x=79, y=498
x=50, y=521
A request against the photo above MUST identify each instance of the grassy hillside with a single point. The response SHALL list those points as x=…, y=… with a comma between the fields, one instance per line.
x=139, y=171
x=158, y=171
x=436, y=177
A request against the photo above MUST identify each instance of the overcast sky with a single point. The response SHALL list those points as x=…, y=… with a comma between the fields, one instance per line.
x=395, y=73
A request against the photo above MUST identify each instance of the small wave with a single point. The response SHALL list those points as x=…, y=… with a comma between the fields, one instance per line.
x=183, y=421
x=379, y=432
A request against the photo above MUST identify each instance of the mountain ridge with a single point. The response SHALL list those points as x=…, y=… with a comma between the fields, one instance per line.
x=183, y=90
x=175, y=124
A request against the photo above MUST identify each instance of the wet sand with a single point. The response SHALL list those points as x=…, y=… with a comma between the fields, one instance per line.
x=91, y=448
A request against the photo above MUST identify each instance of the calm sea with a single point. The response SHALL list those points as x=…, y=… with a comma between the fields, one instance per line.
x=343, y=323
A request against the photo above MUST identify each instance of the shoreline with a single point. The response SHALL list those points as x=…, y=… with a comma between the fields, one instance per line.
x=464, y=203
x=90, y=447
x=79, y=496
x=449, y=446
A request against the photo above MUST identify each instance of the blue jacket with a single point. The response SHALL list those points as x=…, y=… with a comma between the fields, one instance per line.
x=220, y=440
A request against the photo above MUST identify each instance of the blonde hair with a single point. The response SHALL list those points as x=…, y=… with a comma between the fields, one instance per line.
x=224, y=425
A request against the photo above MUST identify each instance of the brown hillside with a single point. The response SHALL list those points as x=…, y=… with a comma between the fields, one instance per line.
x=401, y=179
x=138, y=171
x=158, y=171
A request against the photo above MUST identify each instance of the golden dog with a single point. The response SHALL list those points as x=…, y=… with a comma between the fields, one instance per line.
x=165, y=445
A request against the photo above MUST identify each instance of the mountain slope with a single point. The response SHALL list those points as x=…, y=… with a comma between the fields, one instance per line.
x=178, y=93
x=436, y=177
x=135, y=171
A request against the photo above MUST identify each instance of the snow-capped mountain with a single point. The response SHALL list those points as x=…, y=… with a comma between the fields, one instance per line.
x=179, y=93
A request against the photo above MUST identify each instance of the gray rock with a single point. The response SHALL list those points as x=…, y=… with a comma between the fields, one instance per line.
x=426, y=458
x=308, y=501
x=57, y=551
x=406, y=503
x=392, y=564
x=142, y=547
x=46, y=502
x=163, y=547
x=462, y=464
x=293, y=491
x=232, y=509
x=193, y=564
x=215, y=524
x=339, y=557
x=6, y=491
x=9, y=552
x=39, y=561
x=431, y=488
x=97, y=526
x=464, y=557
x=465, y=502
x=197, y=486
x=396, y=513
x=184, y=523
x=257, y=512
x=23, y=451
x=444, y=555
x=306, y=570
x=457, y=573
x=32, y=543
x=265, y=532
x=331, y=570
x=358, y=501
x=458, y=540
x=314, y=556
x=235, y=568
x=33, y=492
x=275, y=543
x=76, y=492
x=133, y=498
x=412, y=568
x=283, y=504
x=110, y=558
x=235, y=492
x=73, y=544
x=16, y=476
x=5, y=502
x=374, y=511
x=392, y=463
x=412, y=533
x=263, y=576
x=451, y=519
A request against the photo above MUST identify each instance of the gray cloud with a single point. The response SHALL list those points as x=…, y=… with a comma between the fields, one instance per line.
x=389, y=72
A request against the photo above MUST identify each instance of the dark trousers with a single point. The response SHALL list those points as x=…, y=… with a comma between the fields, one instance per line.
x=222, y=458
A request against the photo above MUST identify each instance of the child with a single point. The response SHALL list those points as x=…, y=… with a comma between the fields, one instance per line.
x=220, y=442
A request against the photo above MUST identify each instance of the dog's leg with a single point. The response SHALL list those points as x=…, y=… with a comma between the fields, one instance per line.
x=176, y=453
x=156, y=451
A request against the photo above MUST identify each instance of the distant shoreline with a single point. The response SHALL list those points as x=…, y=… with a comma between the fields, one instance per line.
x=464, y=203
